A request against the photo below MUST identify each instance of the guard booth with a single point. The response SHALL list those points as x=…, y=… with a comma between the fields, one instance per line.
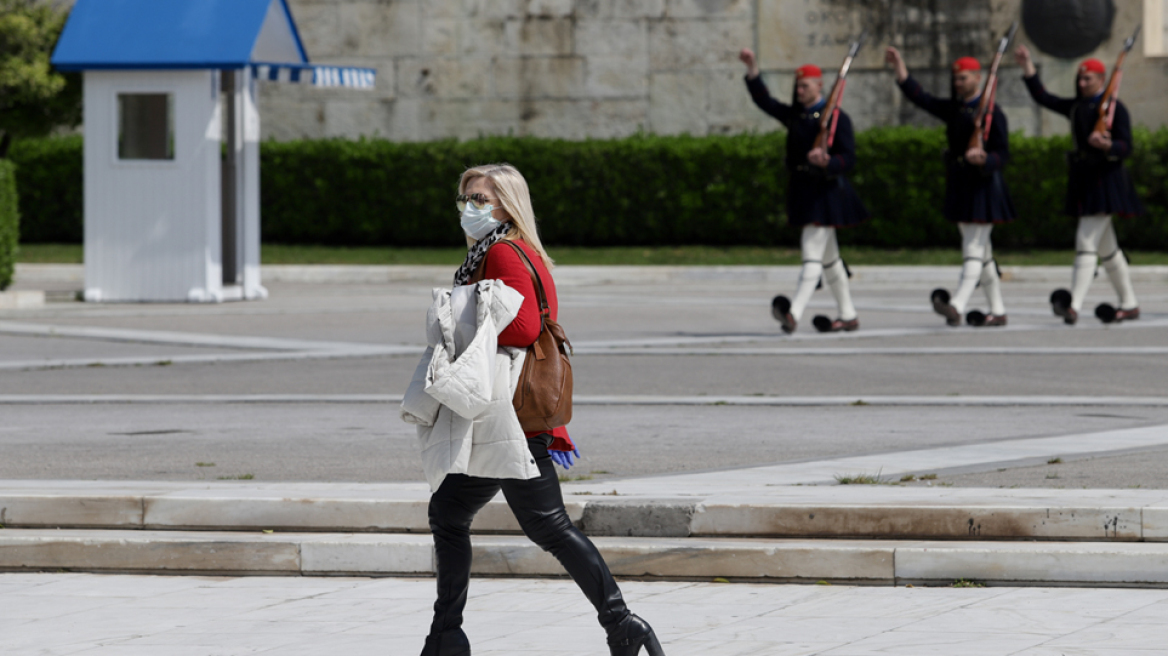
x=172, y=131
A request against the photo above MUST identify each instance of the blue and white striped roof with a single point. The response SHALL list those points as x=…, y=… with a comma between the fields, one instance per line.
x=317, y=75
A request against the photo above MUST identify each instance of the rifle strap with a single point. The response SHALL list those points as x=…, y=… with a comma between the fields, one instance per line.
x=1114, y=100
x=989, y=119
x=835, y=113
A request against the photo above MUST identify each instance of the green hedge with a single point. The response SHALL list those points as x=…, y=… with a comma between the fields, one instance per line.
x=643, y=190
x=9, y=223
x=50, y=178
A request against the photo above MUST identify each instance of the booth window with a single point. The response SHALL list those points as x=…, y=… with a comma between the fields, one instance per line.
x=145, y=126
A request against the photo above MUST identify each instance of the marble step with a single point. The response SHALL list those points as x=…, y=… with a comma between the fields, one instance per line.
x=768, y=560
x=884, y=512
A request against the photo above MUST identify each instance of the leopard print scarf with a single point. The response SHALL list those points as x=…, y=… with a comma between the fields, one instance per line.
x=477, y=252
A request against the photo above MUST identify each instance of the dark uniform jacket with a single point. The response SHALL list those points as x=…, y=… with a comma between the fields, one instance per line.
x=1098, y=183
x=815, y=196
x=973, y=194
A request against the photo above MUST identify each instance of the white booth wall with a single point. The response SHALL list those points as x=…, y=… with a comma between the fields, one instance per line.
x=153, y=227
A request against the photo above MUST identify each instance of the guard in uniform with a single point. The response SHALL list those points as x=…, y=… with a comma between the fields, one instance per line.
x=975, y=194
x=819, y=197
x=1098, y=188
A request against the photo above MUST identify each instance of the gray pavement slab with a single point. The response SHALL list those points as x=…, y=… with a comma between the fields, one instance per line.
x=366, y=442
x=34, y=349
x=1134, y=470
x=117, y=615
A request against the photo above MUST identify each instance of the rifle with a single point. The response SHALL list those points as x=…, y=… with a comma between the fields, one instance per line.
x=830, y=117
x=1111, y=94
x=985, y=108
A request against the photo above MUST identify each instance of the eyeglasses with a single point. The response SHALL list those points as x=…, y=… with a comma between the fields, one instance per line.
x=476, y=200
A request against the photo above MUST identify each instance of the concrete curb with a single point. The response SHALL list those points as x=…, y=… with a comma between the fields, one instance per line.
x=849, y=561
x=570, y=275
x=794, y=512
x=21, y=300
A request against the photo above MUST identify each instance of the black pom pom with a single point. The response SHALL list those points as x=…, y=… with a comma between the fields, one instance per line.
x=975, y=318
x=1105, y=312
x=781, y=304
x=1060, y=298
x=939, y=296
x=822, y=323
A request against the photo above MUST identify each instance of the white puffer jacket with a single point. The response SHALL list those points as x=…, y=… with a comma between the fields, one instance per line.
x=461, y=393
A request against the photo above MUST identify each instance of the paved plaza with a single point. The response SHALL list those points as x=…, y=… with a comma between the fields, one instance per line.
x=673, y=374
x=190, y=428
x=201, y=616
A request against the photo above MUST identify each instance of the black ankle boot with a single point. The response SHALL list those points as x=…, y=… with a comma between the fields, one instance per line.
x=447, y=643
x=627, y=638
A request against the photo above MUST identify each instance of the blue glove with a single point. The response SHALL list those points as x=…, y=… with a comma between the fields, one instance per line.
x=564, y=458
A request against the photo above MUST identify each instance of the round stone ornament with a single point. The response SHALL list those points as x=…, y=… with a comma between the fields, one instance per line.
x=1068, y=28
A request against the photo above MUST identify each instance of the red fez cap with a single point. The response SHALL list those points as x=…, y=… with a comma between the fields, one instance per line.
x=808, y=70
x=966, y=64
x=1092, y=66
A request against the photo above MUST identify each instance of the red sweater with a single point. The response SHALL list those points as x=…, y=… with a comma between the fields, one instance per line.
x=506, y=265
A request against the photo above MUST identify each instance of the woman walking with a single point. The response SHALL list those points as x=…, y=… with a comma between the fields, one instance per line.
x=496, y=206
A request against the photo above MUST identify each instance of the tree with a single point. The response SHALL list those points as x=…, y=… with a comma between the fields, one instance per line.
x=34, y=99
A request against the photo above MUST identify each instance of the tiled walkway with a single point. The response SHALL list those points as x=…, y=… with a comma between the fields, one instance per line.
x=203, y=616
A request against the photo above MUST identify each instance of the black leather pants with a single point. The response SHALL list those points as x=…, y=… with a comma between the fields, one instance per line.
x=539, y=507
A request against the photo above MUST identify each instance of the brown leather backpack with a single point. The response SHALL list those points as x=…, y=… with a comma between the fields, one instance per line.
x=543, y=397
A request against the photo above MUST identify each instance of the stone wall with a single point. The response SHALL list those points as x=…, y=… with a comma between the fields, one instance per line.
x=609, y=68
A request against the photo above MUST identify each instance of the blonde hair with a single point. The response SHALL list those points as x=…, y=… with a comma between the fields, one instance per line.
x=516, y=200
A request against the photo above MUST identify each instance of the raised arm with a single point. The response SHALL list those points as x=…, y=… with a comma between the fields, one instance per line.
x=913, y=89
x=1034, y=84
x=759, y=93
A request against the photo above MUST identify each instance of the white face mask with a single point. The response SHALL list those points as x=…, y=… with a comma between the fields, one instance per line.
x=478, y=223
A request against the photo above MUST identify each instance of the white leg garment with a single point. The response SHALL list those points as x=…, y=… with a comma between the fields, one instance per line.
x=1115, y=264
x=814, y=243
x=1087, y=238
x=975, y=238
x=991, y=282
x=835, y=275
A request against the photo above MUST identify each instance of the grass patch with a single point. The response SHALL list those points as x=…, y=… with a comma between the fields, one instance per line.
x=614, y=255
x=967, y=583
x=568, y=478
x=204, y=464
x=49, y=254
x=907, y=478
x=860, y=479
x=1054, y=461
x=928, y=477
